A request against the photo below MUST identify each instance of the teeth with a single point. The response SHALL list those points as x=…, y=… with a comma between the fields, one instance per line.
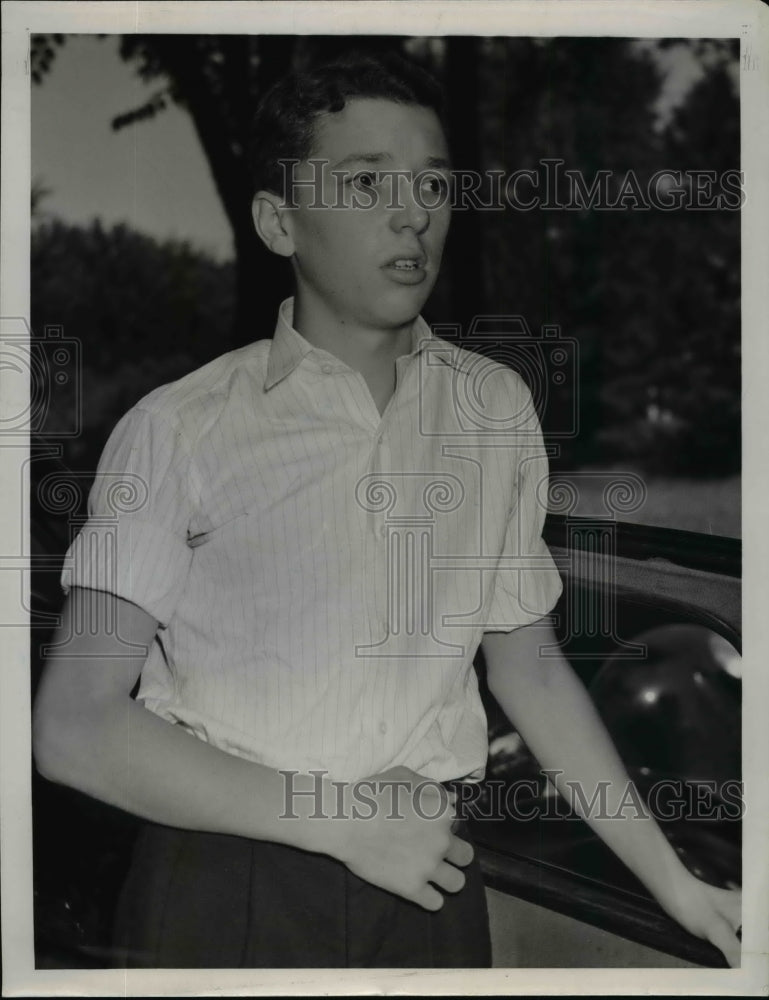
x=408, y=265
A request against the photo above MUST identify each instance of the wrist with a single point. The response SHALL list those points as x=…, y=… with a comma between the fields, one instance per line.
x=313, y=812
x=671, y=882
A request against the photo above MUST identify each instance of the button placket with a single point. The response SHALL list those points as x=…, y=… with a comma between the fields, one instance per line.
x=381, y=463
x=378, y=534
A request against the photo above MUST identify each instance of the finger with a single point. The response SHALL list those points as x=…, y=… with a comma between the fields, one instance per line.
x=448, y=878
x=722, y=936
x=728, y=902
x=460, y=852
x=428, y=898
x=733, y=908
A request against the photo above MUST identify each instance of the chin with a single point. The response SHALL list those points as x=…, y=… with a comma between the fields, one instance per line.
x=399, y=309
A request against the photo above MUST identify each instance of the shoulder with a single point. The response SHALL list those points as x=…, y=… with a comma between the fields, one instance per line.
x=192, y=402
x=483, y=376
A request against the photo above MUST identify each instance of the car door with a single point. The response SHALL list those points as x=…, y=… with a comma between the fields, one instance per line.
x=650, y=620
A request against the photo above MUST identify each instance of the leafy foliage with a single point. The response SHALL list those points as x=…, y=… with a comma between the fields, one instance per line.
x=144, y=313
x=42, y=52
x=651, y=297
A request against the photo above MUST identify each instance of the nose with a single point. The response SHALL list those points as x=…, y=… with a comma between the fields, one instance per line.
x=409, y=212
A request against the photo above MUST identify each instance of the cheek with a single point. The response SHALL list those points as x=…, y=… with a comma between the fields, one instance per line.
x=335, y=242
x=439, y=226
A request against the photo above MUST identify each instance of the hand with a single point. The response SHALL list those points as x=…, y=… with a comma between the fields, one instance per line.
x=709, y=912
x=390, y=840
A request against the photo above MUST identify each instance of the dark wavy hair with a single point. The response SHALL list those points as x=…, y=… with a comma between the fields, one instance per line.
x=284, y=124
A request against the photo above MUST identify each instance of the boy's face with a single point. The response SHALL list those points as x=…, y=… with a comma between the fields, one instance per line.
x=371, y=266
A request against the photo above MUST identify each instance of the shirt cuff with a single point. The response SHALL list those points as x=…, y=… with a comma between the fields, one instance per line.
x=523, y=596
x=130, y=558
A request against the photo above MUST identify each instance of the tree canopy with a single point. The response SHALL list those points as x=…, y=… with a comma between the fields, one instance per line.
x=650, y=297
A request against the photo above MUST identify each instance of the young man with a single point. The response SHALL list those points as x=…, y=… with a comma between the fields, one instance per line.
x=279, y=591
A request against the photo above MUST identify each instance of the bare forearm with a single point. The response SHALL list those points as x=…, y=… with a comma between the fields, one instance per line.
x=123, y=754
x=556, y=717
x=143, y=764
x=90, y=734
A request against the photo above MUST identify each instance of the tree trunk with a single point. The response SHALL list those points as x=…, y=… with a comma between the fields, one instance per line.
x=263, y=280
x=465, y=246
x=222, y=127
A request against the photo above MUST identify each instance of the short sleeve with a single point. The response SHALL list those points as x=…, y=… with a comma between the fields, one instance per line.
x=134, y=543
x=527, y=583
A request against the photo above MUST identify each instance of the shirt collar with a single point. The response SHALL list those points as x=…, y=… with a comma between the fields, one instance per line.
x=289, y=347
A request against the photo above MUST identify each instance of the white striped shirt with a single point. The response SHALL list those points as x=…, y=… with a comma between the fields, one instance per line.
x=323, y=574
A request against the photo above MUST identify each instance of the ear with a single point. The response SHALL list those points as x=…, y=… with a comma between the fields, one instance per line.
x=270, y=220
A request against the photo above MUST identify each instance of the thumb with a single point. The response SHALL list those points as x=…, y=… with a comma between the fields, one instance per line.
x=722, y=935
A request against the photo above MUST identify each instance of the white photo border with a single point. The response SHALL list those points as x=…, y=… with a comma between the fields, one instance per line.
x=747, y=20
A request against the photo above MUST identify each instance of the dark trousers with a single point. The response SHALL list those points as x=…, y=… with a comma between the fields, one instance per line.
x=199, y=900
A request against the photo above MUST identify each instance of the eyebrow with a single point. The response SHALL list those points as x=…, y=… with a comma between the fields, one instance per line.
x=432, y=162
x=438, y=163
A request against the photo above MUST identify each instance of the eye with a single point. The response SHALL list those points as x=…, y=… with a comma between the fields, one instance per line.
x=435, y=185
x=365, y=179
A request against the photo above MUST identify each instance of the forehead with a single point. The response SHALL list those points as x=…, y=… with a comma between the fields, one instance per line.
x=377, y=126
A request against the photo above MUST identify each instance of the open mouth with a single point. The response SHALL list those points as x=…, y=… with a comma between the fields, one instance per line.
x=407, y=268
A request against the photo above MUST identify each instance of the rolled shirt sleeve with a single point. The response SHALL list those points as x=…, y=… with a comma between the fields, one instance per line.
x=134, y=543
x=527, y=583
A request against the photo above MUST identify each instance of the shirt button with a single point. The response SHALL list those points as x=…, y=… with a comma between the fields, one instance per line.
x=326, y=369
x=382, y=728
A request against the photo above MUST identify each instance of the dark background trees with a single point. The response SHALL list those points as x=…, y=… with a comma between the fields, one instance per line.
x=650, y=297
x=146, y=312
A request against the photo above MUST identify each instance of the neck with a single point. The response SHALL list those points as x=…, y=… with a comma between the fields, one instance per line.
x=365, y=349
